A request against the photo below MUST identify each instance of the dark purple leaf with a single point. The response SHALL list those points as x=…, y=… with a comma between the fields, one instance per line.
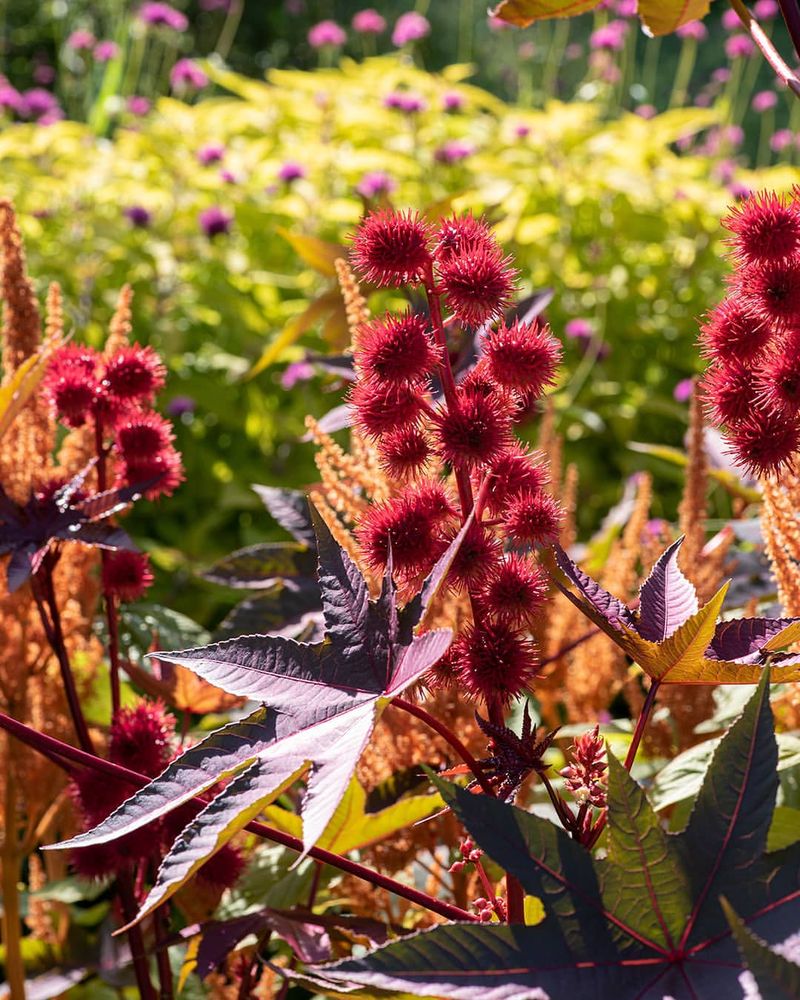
x=667, y=599
x=290, y=510
x=259, y=566
x=743, y=639
x=607, y=608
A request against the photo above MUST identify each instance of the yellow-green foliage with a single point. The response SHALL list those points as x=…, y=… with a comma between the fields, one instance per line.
x=625, y=230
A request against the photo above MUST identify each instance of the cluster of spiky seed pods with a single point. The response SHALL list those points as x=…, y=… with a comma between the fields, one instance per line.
x=449, y=440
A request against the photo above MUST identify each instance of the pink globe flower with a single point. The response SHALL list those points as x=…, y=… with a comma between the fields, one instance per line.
x=187, y=75
x=10, y=99
x=326, y=34
x=695, y=30
x=291, y=171
x=410, y=27
x=522, y=131
x=730, y=20
x=452, y=101
x=215, y=221
x=81, y=41
x=161, y=15
x=375, y=183
x=625, y=8
x=137, y=105
x=646, y=111
x=764, y=100
x=610, y=37
x=766, y=10
x=579, y=328
x=781, y=140
x=453, y=151
x=683, y=390
x=369, y=22
x=739, y=47
x=212, y=153
x=105, y=51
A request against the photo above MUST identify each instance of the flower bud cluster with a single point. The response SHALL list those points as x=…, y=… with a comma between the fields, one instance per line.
x=490, y=909
x=470, y=854
x=450, y=445
x=752, y=338
x=585, y=776
x=114, y=394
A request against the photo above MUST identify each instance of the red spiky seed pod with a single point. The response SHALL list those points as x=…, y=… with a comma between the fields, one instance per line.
x=474, y=431
x=404, y=452
x=534, y=518
x=392, y=248
x=729, y=392
x=494, y=662
x=397, y=349
x=460, y=232
x=126, y=575
x=765, y=228
x=778, y=381
x=523, y=356
x=79, y=356
x=141, y=737
x=476, y=557
x=222, y=870
x=414, y=522
x=382, y=408
x=164, y=467
x=478, y=283
x=515, y=471
x=71, y=395
x=735, y=331
x=516, y=590
x=765, y=443
x=134, y=373
x=143, y=433
x=773, y=291
x=443, y=675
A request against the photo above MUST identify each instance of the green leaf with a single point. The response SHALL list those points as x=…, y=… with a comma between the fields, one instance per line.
x=643, y=883
x=260, y=565
x=777, y=978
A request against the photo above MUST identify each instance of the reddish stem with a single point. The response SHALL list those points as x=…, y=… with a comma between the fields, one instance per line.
x=129, y=905
x=48, y=745
x=515, y=897
x=768, y=50
x=450, y=737
x=47, y=605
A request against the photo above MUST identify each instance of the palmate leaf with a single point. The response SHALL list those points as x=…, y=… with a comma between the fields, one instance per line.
x=777, y=977
x=644, y=922
x=659, y=17
x=676, y=642
x=323, y=700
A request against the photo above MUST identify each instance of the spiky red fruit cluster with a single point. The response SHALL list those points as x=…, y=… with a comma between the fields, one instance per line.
x=141, y=739
x=126, y=575
x=116, y=392
x=752, y=385
x=430, y=430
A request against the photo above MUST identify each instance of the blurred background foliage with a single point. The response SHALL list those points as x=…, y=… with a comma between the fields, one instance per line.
x=210, y=204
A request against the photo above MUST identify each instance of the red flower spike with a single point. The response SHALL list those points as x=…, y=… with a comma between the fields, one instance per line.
x=534, y=518
x=765, y=227
x=126, y=574
x=476, y=431
x=765, y=443
x=404, y=452
x=391, y=248
x=523, y=356
x=141, y=737
x=477, y=556
x=461, y=232
x=515, y=471
x=478, y=284
x=494, y=661
x=134, y=373
x=773, y=291
x=735, y=331
x=778, y=382
x=413, y=521
x=397, y=349
x=166, y=465
x=142, y=434
x=516, y=590
x=381, y=408
x=729, y=392
x=585, y=775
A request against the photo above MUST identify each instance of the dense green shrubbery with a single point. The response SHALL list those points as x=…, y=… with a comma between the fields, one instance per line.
x=623, y=229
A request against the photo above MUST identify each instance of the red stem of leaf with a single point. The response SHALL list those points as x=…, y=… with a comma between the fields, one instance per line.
x=49, y=745
x=450, y=737
x=791, y=15
x=515, y=897
x=129, y=905
x=47, y=605
x=768, y=50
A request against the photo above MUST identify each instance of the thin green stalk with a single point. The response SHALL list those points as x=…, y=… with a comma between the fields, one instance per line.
x=652, y=51
x=466, y=20
x=683, y=73
x=767, y=128
x=230, y=26
x=555, y=57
